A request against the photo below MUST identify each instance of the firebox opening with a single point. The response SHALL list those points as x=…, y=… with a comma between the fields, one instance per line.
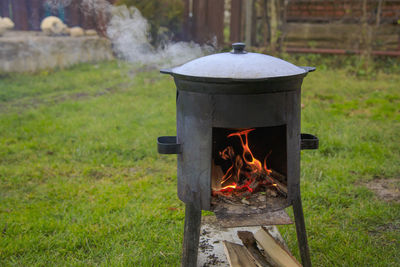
x=249, y=167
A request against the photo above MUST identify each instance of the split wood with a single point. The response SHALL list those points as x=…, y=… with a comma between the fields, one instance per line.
x=237, y=255
x=272, y=254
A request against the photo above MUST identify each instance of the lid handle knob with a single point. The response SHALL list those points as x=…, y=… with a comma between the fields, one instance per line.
x=238, y=48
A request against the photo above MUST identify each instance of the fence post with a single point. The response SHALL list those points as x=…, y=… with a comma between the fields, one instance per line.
x=5, y=8
x=236, y=21
x=20, y=14
x=208, y=20
x=35, y=14
x=276, y=21
x=366, y=38
x=87, y=14
x=199, y=20
x=73, y=14
x=249, y=22
x=215, y=20
x=187, y=20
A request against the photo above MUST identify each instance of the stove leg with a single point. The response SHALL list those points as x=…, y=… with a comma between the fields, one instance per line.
x=301, y=232
x=191, y=236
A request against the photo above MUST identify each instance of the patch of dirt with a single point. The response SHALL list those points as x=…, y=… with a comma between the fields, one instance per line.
x=384, y=228
x=394, y=226
x=385, y=189
x=96, y=174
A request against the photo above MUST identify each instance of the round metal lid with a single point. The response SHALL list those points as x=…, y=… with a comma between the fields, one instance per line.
x=237, y=65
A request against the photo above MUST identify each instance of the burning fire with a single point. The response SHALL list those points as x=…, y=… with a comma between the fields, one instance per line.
x=246, y=172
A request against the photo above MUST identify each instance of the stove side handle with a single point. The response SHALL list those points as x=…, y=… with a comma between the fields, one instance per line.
x=309, y=141
x=168, y=145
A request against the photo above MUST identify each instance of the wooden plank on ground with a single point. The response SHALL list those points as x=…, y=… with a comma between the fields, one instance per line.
x=274, y=250
x=237, y=255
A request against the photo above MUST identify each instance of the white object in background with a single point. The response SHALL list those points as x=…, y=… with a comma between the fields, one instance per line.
x=90, y=32
x=53, y=26
x=76, y=32
x=5, y=24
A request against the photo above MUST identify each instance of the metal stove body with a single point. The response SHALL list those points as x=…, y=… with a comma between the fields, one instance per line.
x=206, y=103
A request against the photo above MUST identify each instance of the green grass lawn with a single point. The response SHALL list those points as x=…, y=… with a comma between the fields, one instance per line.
x=81, y=182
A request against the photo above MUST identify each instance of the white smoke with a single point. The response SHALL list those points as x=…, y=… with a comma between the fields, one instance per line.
x=129, y=33
x=96, y=6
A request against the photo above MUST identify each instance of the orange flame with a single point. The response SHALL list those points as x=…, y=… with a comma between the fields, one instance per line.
x=246, y=150
x=246, y=167
x=227, y=175
x=233, y=186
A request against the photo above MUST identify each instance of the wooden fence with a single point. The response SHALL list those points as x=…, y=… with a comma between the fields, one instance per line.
x=276, y=24
x=349, y=11
x=204, y=20
x=292, y=24
x=342, y=26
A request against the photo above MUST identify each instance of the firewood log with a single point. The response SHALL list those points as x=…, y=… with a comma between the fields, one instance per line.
x=276, y=253
x=237, y=255
x=251, y=244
